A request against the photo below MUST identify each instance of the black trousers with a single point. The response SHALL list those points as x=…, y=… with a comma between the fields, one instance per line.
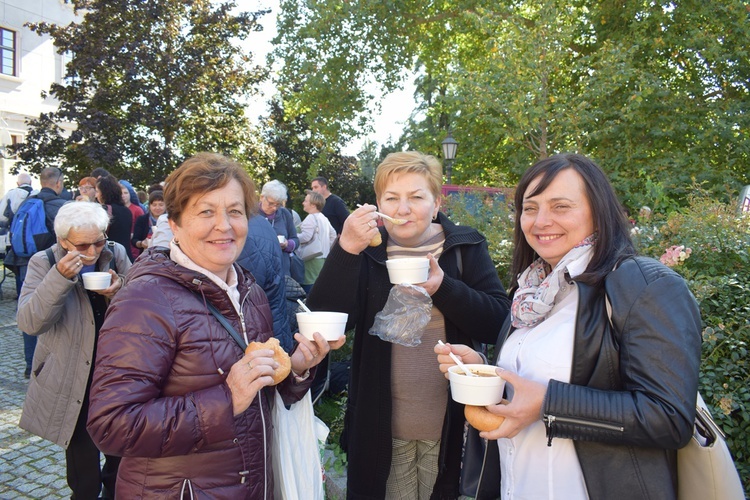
x=82, y=462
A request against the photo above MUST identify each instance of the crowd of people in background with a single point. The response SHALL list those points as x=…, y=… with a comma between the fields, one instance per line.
x=600, y=348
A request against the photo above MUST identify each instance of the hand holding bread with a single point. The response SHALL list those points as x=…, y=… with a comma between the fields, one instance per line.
x=481, y=419
x=360, y=230
x=279, y=355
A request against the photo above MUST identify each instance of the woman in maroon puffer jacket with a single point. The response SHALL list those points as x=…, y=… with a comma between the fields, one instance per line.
x=173, y=393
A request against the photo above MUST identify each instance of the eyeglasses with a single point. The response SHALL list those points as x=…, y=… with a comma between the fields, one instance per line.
x=272, y=204
x=85, y=246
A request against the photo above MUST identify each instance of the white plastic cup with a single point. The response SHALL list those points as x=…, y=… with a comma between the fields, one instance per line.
x=281, y=238
x=408, y=270
x=331, y=325
x=487, y=389
x=96, y=280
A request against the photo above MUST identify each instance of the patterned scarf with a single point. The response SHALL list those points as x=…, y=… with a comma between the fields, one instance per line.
x=538, y=287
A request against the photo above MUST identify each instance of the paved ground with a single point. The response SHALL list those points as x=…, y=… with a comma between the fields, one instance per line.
x=30, y=467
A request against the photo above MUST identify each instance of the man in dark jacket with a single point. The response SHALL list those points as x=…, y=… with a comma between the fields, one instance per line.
x=52, y=183
x=335, y=209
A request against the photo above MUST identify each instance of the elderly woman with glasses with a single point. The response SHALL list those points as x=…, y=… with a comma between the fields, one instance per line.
x=66, y=318
x=273, y=196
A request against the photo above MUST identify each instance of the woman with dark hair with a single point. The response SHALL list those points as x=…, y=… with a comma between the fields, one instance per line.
x=173, y=393
x=601, y=350
x=109, y=194
x=145, y=223
x=135, y=211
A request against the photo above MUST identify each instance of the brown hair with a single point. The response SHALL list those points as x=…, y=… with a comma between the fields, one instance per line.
x=613, y=230
x=110, y=189
x=409, y=162
x=156, y=196
x=201, y=174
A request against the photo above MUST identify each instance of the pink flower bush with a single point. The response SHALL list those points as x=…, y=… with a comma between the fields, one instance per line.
x=675, y=255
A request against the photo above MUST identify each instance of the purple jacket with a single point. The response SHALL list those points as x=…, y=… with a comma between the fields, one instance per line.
x=159, y=396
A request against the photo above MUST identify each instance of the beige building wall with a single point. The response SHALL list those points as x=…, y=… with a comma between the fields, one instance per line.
x=37, y=65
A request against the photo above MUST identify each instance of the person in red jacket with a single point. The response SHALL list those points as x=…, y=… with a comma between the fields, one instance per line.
x=173, y=393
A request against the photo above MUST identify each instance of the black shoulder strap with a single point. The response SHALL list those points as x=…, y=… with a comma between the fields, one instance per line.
x=113, y=262
x=460, y=262
x=28, y=189
x=236, y=336
x=51, y=257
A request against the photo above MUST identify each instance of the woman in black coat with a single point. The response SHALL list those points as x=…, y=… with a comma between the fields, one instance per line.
x=403, y=433
x=109, y=194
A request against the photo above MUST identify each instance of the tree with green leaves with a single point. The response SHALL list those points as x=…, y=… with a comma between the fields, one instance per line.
x=302, y=155
x=149, y=84
x=656, y=92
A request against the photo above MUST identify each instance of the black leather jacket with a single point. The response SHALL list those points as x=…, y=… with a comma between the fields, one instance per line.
x=630, y=403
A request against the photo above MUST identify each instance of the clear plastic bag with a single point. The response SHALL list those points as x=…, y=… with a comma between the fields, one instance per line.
x=407, y=311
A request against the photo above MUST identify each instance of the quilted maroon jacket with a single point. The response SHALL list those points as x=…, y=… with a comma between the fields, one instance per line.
x=159, y=396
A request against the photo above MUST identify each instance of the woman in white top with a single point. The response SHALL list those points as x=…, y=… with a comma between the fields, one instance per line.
x=601, y=352
x=315, y=229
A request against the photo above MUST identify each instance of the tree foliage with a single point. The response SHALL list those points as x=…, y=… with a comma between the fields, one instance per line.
x=149, y=83
x=657, y=92
x=302, y=155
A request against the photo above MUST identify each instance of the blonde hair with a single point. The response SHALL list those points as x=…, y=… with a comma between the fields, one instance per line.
x=316, y=199
x=409, y=162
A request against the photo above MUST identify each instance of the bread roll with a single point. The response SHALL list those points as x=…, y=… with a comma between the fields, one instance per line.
x=376, y=240
x=279, y=354
x=481, y=419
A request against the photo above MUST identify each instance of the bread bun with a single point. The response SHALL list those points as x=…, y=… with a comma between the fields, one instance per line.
x=481, y=419
x=376, y=240
x=279, y=354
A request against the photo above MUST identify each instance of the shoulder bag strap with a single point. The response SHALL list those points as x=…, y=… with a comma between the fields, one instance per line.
x=220, y=317
x=50, y=257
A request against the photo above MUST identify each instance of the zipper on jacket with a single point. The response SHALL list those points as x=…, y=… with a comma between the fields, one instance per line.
x=265, y=446
x=551, y=420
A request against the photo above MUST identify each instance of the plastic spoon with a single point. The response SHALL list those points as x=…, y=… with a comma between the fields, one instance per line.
x=303, y=306
x=459, y=363
x=396, y=222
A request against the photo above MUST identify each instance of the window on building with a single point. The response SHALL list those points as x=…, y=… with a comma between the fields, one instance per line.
x=7, y=52
x=65, y=58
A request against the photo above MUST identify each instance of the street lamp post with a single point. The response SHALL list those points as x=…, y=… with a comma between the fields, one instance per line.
x=449, y=154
